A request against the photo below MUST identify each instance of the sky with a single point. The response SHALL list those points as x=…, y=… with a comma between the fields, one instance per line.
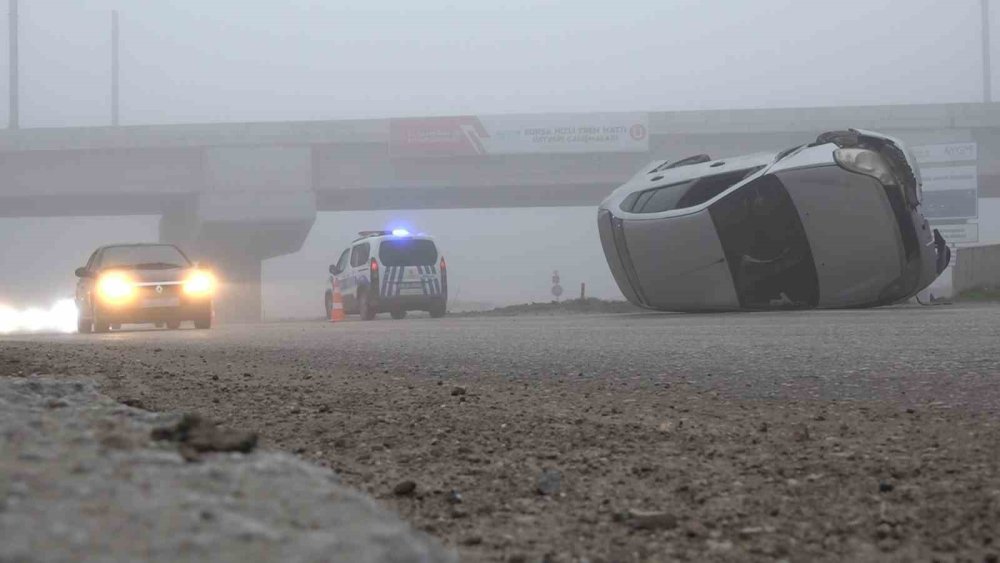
x=189, y=61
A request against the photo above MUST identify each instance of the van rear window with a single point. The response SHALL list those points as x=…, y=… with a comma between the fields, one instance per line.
x=408, y=252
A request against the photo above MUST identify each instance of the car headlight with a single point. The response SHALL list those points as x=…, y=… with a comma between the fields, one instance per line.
x=199, y=284
x=115, y=288
x=867, y=162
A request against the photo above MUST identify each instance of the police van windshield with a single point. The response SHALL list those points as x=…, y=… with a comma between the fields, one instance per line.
x=407, y=252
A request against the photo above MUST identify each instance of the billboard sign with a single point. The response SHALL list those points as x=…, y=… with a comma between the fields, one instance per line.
x=518, y=134
x=951, y=189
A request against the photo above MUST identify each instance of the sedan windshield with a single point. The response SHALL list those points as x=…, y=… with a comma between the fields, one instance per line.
x=151, y=257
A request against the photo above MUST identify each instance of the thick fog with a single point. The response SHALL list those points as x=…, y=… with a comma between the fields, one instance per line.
x=185, y=61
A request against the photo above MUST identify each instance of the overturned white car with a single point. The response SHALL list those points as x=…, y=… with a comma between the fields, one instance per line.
x=833, y=224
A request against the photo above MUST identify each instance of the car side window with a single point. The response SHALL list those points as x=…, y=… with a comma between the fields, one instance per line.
x=92, y=262
x=360, y=254
x=342, y=263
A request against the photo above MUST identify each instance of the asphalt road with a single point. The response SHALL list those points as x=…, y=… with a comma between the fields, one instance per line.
x=860, y=435
x=943, y=353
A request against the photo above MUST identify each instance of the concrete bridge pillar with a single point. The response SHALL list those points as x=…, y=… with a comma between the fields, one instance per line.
x=257, y=203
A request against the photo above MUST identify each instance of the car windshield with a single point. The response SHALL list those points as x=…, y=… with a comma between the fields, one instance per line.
x=152, y=257
x=408, y=252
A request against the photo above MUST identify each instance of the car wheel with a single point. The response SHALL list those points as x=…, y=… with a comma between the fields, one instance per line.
x=173, y=325
x=365, y=307
x=84, y=326
x=100, y=325
x=398, y=315
x=203, y=323
x=116, y=326
x=328, y=302
x=438, y=311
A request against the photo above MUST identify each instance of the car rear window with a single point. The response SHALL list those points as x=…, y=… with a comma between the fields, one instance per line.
x=408, y=252
x=150, y=257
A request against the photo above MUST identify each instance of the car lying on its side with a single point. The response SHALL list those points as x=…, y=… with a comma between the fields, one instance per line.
x=142, y=283
x=836, y=223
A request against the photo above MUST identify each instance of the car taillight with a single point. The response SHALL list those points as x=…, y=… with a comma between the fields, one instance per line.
x=373, y=277
x=444, y=276
x=444, y=265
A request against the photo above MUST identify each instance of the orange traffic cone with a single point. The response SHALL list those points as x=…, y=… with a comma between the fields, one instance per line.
x=337, y=309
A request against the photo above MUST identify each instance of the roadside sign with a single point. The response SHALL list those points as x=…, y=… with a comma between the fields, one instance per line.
x=951, y=189
x=557, y=291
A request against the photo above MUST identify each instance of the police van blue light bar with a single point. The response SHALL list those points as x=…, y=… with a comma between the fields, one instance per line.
x=400, y=233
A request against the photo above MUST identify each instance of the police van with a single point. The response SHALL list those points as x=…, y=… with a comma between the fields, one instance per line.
x=390, y=272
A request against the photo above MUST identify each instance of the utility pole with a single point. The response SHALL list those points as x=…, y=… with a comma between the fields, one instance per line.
x=114, y=68
x=14, y=122
x=987, y=79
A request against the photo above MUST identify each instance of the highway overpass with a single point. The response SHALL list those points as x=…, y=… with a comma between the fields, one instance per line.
x=237, y=194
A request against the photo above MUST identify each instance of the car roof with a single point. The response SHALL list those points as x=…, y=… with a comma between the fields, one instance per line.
x=382, y=237
x=136, y=244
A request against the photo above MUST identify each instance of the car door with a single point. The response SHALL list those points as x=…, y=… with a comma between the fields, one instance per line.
x=342, y=269
x=85, y=286
x=360, y=256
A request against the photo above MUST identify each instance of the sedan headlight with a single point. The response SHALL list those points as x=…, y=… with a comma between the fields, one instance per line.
x=867, y=162
x=115, y=288
x=199, y=284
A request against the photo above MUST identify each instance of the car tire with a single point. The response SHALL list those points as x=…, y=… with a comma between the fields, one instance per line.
x=84, y=326
x=438, y=311
x=173, y=325
x=203, y=323
x=398, y=315
x=100, y=325
x=365, y=307
x=116, y=326
x=328, y=302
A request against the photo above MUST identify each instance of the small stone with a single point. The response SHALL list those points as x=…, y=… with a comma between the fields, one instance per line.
x=645, y=520
x=549, y=482
x=453, y=497
x=459, y=512
x=457, y=391
x=134, y=403
x=885, y=487
x=762, y=427
x=404, y=488
x=57, y=404
x=215, y=377
x=472, y=540
x=695, y=529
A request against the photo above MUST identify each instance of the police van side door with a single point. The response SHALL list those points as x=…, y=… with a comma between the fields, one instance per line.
x=360, y=255
x=341, y=271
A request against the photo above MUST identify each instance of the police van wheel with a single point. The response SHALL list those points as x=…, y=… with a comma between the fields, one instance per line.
x=173, y=325
x=328, y=302
x=398, y=314
x=365, y=308
x=84, y=326
x=438, y=311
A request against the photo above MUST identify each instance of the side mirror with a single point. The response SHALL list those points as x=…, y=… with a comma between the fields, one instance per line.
x=83, y=273
x=333, y=269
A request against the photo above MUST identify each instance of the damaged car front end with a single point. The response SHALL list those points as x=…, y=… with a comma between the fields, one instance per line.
x=836, y=223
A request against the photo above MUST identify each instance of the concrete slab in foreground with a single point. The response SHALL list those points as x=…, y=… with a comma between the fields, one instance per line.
x=81, y=479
